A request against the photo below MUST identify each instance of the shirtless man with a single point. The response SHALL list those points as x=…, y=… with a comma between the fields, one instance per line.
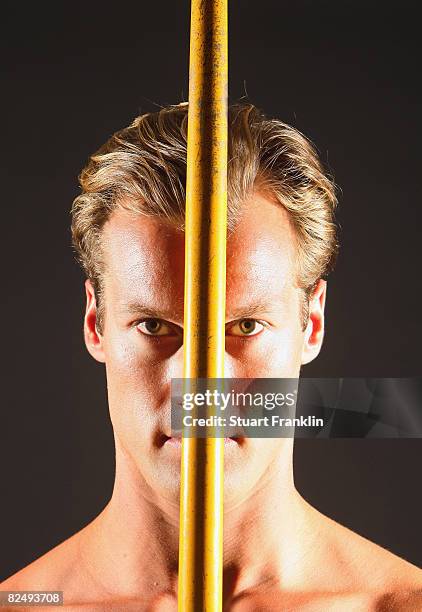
x=279, y=552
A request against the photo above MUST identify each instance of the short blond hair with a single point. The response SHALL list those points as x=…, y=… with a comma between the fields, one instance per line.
x=142, y=168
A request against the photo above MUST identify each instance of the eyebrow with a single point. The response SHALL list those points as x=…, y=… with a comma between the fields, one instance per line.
x=140, y=308
x=245, y=311
x=258, y=307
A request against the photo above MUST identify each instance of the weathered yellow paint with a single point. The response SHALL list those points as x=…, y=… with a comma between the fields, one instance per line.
x=201, y=505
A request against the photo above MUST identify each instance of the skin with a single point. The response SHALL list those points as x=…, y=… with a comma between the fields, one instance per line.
x=279, y=552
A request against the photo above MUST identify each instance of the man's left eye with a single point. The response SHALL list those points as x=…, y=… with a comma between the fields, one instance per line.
x=155, y=327
x=245, y=327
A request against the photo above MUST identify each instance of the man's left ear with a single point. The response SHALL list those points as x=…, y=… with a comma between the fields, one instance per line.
x=314, y=332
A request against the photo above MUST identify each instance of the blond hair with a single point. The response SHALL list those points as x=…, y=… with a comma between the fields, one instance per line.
x=142, y=168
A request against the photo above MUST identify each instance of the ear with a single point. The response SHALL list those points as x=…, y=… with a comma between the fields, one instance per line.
x=93, y=339
x=314, y=332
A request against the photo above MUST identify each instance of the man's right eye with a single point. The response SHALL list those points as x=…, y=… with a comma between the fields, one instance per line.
x=155, y=327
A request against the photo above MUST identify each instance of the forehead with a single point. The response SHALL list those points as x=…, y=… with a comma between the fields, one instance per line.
x=144, y=256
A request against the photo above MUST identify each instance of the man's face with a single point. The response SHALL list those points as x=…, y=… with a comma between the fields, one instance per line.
x=142, y=339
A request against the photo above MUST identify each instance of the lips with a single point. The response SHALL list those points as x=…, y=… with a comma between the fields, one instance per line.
x=177, y=440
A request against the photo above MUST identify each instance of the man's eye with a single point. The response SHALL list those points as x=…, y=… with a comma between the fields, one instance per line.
x=245, y=327
x=155, y=327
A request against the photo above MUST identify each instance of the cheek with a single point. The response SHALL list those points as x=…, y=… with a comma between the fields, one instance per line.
x=276, y=354
x=135, y=380
x=285, y=353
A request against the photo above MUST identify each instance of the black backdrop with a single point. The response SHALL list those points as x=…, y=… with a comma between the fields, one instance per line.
x=345, y=73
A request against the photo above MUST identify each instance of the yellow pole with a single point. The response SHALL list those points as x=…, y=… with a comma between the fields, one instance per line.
x=201, y=504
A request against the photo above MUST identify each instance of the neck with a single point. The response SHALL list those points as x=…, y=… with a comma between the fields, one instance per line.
x=138, y=534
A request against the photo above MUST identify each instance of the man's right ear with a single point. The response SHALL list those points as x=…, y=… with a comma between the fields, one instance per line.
x=93, y=339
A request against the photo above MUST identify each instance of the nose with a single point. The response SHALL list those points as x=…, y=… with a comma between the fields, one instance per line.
x=175, y=364
x=233, y=367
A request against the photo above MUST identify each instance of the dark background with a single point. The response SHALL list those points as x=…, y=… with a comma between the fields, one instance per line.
x=347, y=75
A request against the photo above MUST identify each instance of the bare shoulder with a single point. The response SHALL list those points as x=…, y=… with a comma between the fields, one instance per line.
x=367, y=565
x=327, y=602
x=57, y=570
x=65, y=568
